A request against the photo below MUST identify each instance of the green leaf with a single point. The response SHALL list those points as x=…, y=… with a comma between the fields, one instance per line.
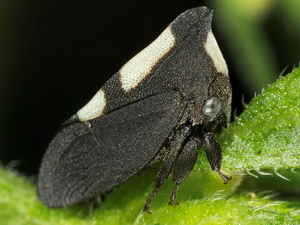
x=267, y=134
x=19, y=205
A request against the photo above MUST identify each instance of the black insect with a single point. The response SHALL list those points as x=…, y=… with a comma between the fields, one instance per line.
x=162, y=105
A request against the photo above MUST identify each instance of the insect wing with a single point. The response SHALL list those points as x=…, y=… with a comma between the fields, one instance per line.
x=90, y=158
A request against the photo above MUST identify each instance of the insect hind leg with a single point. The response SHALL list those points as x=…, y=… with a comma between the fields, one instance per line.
x=168, y=162
x=184, y=165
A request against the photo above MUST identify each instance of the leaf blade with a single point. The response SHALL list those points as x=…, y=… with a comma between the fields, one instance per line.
x=267, y=134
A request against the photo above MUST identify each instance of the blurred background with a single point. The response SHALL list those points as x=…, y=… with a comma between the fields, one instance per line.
x=54, y=56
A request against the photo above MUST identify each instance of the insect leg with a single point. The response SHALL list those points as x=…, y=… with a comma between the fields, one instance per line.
x=168, y=162
x=184, y=165
x=214, y=154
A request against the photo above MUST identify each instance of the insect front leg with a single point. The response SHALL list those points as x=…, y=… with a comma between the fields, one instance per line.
x=184, y=165
x=168, y=162
x=214, y=154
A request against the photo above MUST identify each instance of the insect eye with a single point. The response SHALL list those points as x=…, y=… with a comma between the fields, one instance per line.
x=211, y=107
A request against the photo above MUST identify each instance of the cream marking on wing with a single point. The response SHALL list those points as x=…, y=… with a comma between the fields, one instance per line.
x=94, y=108
x=136, y=69
x=213, y=50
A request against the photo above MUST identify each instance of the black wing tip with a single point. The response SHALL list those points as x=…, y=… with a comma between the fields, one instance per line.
x=57, y=200
x=47, y=201
x=53, y=189
x=46, y=197
x=52, y=200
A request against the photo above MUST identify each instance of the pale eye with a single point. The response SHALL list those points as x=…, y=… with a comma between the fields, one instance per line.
x=211, y=107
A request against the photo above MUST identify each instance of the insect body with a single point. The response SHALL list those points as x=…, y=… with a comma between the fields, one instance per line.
x=166, y=101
